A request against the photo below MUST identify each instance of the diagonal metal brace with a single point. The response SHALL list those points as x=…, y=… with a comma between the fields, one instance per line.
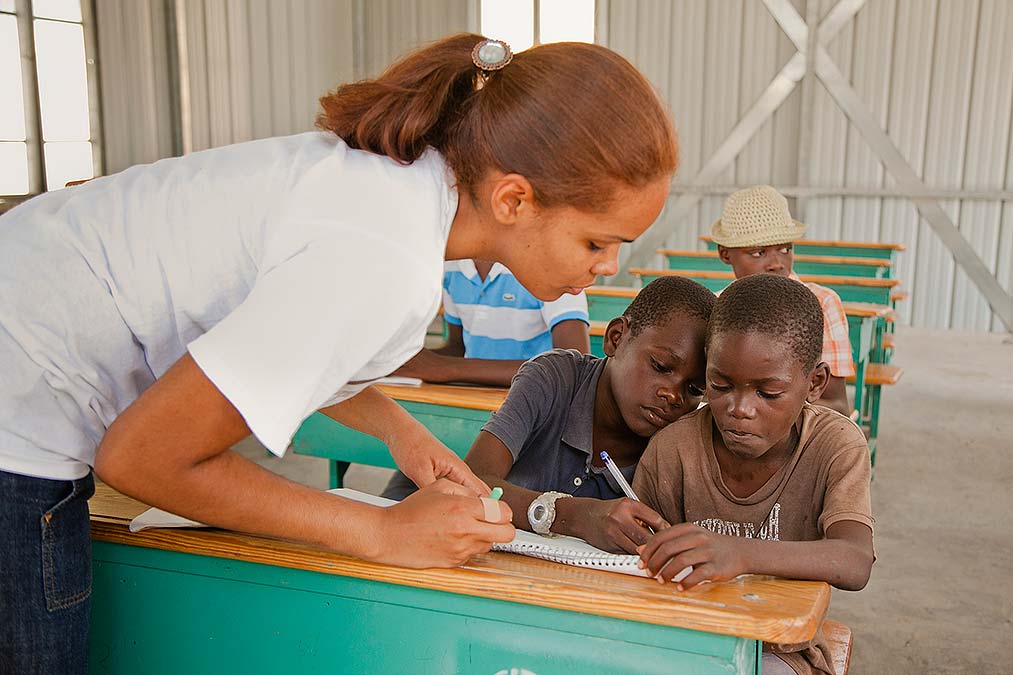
x=848, y=100
x=769, y=101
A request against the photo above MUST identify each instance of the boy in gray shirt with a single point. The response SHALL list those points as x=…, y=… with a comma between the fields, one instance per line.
x=543, y=445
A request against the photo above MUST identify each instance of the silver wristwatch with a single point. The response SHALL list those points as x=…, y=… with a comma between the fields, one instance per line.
x=542, y=512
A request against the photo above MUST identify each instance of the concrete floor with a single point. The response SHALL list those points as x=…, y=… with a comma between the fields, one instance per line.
x=941, y=595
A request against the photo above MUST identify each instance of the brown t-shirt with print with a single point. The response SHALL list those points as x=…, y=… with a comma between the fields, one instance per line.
x=825, y=480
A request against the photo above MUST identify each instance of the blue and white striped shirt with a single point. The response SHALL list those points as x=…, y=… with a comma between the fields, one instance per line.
x=499, y=317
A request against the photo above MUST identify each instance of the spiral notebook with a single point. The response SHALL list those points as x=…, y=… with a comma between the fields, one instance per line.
x=560, y=549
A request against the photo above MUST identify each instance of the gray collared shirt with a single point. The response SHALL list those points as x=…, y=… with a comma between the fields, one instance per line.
x=547, y=424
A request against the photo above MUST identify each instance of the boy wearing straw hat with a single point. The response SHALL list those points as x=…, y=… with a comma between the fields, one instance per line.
x=755, y=235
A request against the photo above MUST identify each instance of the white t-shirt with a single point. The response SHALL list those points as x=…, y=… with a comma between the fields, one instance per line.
x=293, y=269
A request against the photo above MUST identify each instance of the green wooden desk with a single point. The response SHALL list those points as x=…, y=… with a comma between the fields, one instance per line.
x=875, y=268
x=454, y=414
x=851, y=249
x=607, y=302
x=208, y=602
x=850, y=289
x=597, y=334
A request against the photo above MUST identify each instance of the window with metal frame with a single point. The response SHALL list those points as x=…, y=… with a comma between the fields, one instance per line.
x=525, y=23
x=49, y=120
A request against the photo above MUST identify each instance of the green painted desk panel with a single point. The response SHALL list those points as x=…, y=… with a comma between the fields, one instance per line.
x=606, y=307
x=320, y=436
x=847, y=251
x=877, y=295
x=842, y=251
x=678, y=262
x=840, y=269
x=164, y=612
x=692, y=262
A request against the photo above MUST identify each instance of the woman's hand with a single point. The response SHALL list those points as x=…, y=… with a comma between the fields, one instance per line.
x=714, y=557
x=424, y=459
x=415, y=450
x=616, y=524
x=441, y=525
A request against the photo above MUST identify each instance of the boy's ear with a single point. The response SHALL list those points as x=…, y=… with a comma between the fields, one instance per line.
x=617, y=329
x=725, y=256
x=818, y=382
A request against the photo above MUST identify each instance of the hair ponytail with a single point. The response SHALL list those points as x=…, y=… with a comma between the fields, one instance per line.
x=410, y=106
x=577, y=120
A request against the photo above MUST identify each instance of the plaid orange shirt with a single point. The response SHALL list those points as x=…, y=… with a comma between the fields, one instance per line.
x=836, y=343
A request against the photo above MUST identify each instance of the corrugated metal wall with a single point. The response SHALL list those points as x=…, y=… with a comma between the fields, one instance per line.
x=137, y=87
x=937, y=74
x=243, y=69
x=256, y=68
x=392, y=27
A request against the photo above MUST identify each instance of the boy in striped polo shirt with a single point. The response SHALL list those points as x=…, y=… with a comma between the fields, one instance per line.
x=494, y=325
x=754, y=236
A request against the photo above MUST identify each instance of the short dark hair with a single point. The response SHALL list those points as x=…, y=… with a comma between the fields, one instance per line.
x=776, y=306
x=664, y=296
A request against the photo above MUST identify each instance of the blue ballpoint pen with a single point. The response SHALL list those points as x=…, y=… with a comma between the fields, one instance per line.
x=618, y=475
x=628, y=491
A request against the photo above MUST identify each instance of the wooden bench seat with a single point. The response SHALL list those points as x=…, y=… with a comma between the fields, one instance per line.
x=839, y=639
x=879, y=374
x=889, y=341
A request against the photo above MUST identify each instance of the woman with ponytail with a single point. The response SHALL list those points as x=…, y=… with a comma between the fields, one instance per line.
x=155, y=317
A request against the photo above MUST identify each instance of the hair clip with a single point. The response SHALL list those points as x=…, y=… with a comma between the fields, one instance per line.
x=491, y=55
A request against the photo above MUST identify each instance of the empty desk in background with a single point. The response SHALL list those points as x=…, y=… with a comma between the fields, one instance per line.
x=850, y=289
x=453, y=413
x=877, y=268
x=850, y=249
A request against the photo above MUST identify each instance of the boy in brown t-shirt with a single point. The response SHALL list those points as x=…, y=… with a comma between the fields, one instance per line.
x=760, y=480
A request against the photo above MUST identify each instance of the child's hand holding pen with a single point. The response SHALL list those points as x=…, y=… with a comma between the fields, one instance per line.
x=616, y=525
x=625, y=522
x=678, y=572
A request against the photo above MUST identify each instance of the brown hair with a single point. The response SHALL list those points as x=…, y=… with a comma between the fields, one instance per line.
x=577, y=120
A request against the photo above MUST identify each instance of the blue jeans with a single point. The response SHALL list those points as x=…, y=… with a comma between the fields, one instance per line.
x=45, y=574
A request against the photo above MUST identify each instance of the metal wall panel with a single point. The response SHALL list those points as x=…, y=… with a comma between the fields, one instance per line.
x=136, y=91
x=827, y=156
x=392, y=27
x=872, y=58
x=910, y=82
x=949, y=102
x=987, y=152
x=722, y=66
x=1004, y=256
x=686, y=90
x=936, y=74
x=710, y=61
x=257, y=68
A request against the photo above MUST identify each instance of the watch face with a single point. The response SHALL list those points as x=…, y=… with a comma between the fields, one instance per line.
x=541, y=515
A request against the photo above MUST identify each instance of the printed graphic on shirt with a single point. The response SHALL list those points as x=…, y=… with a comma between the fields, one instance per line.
x=770, y=531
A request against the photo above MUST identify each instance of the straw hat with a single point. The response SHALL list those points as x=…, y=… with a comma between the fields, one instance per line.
x=756, y=216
